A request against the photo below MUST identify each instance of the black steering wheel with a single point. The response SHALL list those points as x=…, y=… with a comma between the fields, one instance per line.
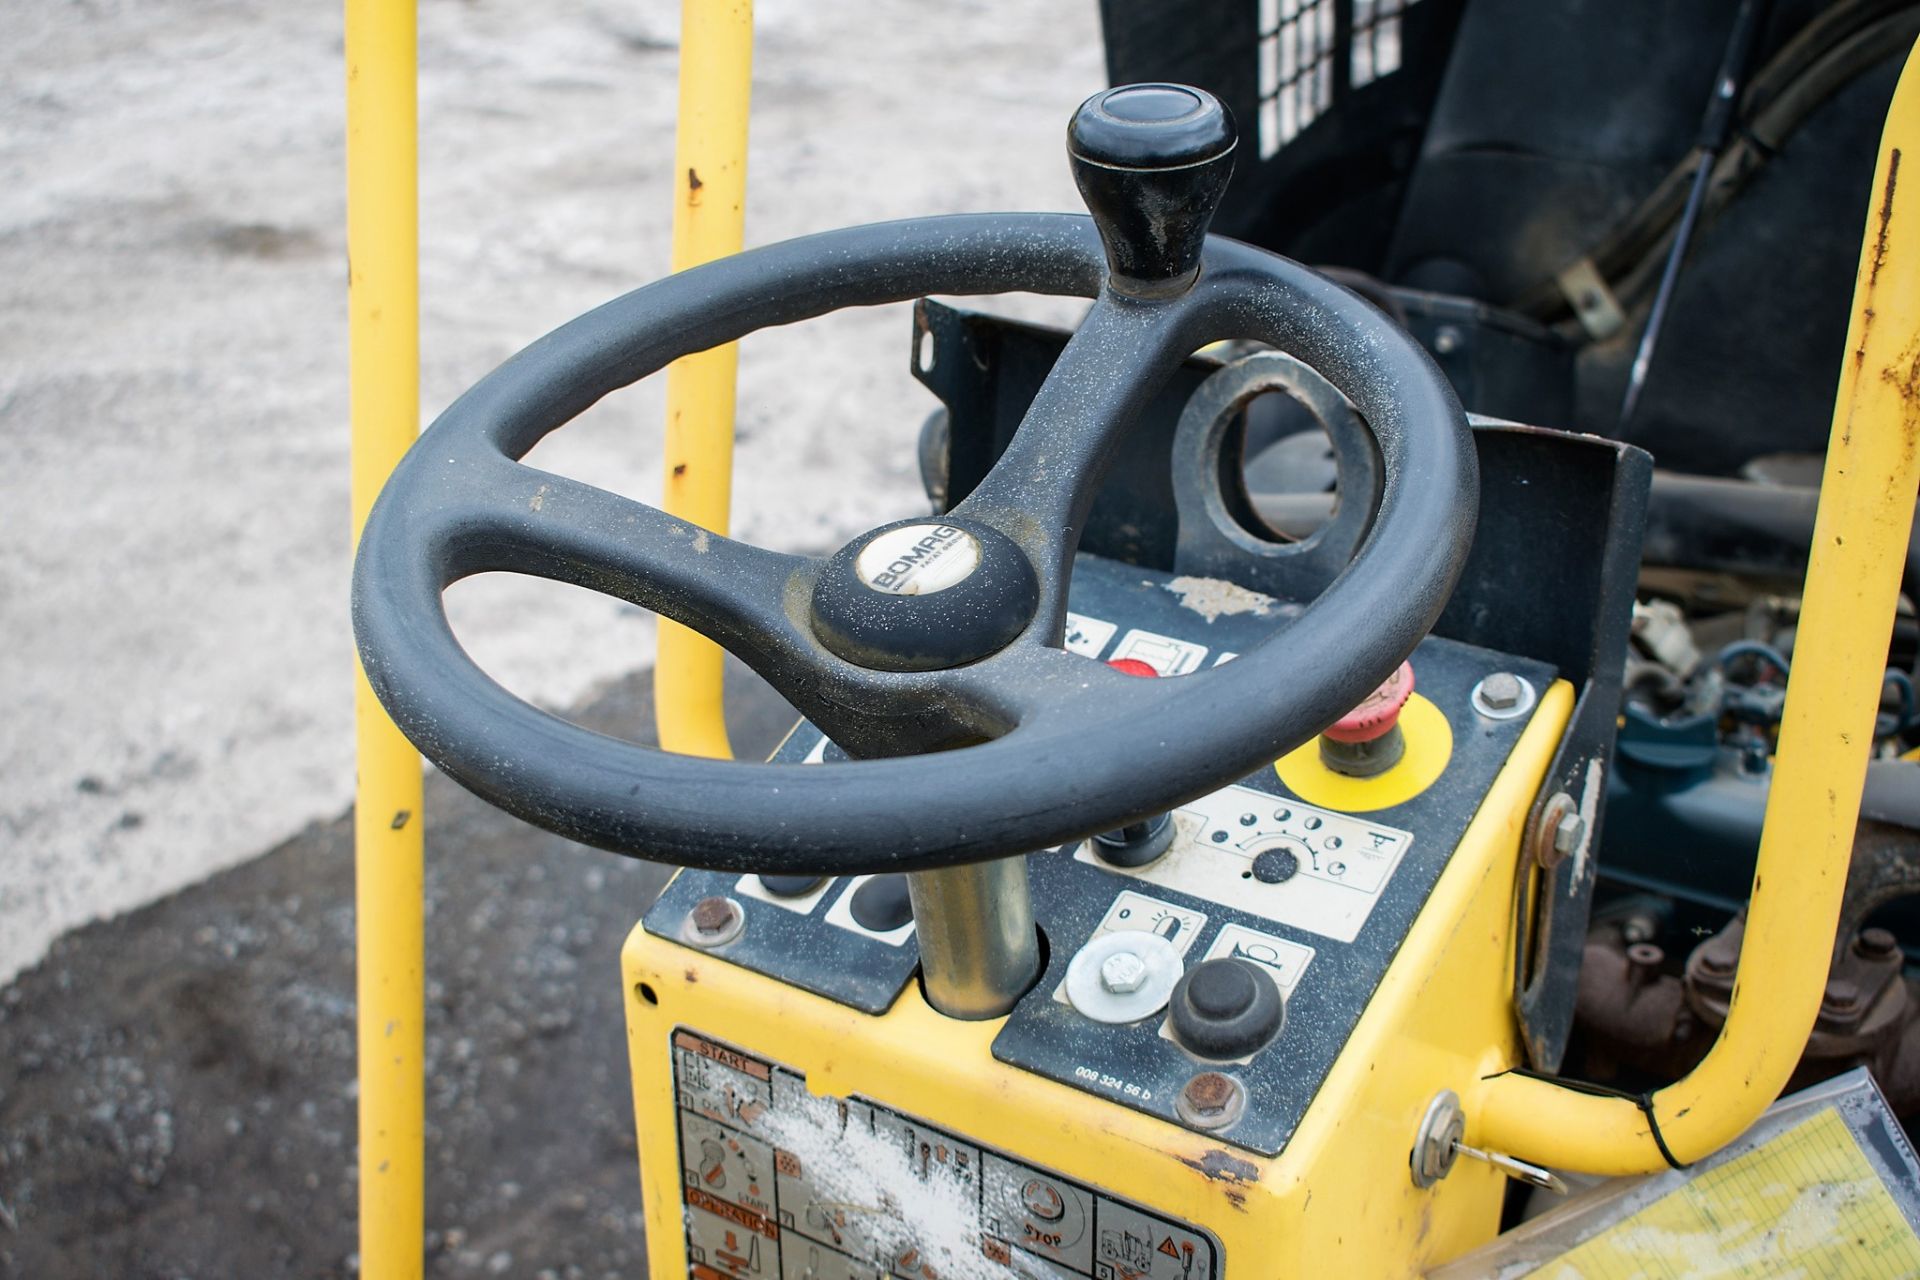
x=930, y=648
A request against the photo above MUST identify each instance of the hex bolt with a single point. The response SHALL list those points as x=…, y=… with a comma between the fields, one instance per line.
x=1560, y=831
x=1501, y=691
x=714, y=922
x=1842, y=994
x=1502, y=695
x=1567, y=835
x=1211, y=1100
x=1123, y=973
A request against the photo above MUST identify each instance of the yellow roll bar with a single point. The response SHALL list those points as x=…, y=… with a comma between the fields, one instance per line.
x=1840, y=651
x=383, y=288
x=384, y=350
x=709, y=221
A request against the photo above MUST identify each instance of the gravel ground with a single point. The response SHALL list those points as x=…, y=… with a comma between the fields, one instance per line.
x=173, y=559
x=176, y=1085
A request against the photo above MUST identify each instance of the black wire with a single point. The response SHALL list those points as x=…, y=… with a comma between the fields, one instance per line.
x=1644, y=1101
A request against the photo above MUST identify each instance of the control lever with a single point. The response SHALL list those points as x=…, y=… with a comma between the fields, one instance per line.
x=1151, y=162
x=1138, y=843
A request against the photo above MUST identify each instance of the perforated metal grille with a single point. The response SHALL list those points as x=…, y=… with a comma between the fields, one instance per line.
x=1296, y=68
x=1299, y=49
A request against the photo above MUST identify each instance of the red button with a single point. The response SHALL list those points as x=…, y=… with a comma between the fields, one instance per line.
x=1378, y=713
x=1132, y=667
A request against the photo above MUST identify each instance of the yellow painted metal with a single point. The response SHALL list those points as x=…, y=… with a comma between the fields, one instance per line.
x=1429, y=740
x=709, y=221
x=1853, y=581
x=1338, y=1201
x=384, y=348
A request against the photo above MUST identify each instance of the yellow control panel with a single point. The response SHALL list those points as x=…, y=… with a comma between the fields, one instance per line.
x=785, y=1134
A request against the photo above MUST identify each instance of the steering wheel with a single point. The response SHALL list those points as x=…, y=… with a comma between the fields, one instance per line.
x=929, y=648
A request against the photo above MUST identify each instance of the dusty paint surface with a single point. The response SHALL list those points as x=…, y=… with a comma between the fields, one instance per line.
x=1214, y=597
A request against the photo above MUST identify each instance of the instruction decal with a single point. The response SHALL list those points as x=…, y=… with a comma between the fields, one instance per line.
x=780, y=1183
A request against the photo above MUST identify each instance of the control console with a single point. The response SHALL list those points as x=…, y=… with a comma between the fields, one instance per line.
x=1238, y=938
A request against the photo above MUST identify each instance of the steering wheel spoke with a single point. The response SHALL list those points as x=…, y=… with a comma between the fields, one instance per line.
x=1041, y=489
x=514, y=518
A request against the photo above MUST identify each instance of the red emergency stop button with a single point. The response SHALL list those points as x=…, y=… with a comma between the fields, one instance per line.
x=1367, y=740
x=1379, y=712
x=1132, y=667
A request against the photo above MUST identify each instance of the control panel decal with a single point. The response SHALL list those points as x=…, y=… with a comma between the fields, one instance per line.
x=1276, y=858
x=1165, y=654
x=1286, y=960
x=1087, y=636
x=783, y=1184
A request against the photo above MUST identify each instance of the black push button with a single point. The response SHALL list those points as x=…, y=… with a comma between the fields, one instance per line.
x=791, y=886
x=1227, y=1008
x=881, y=905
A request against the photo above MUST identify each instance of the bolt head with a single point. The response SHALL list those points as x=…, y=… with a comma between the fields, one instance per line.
x=1123, y=973
x=1568, y=833
x=1209, y=1093
x=1501, y=691
x=712, y=916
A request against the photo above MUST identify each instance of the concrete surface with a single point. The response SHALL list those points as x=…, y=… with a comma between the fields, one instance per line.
x=173, y=549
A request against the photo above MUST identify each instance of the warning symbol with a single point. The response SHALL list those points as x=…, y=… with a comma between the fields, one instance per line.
x=1166, y=1247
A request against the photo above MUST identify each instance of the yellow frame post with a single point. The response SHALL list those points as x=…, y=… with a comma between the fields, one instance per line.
x=1852, y=588
x=383, y=288
x=709, y=221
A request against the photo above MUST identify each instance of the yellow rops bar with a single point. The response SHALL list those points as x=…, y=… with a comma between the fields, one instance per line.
x=384, y=338
x=1852, y=588
x=709, y=221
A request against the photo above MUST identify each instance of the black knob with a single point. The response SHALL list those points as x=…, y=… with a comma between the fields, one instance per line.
x=1227, y=1008
x=1152, y=161
x=1276, y=866
x=1136, y=844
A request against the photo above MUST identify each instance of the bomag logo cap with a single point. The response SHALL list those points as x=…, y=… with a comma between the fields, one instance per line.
x=918, y=559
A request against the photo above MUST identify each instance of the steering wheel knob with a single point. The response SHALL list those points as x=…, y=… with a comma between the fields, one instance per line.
x=924, y=595
x=1152, y=161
